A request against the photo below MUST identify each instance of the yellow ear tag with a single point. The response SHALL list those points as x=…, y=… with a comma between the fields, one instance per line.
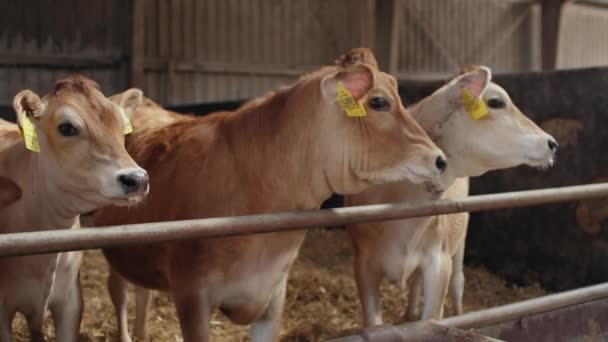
x=29, y=135
x=348, y=102
x=128, y=127
x=476, y=108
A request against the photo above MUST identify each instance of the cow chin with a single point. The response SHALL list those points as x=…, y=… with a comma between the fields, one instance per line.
x=399, y=173
x=541, y=163
x=127, y=201
x=119, y=198
x=416, y=176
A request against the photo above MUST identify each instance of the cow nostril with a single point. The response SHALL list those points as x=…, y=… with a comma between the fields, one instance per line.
x=127, y=182
x=553, y=145
x=133, y=181
x=441, y=164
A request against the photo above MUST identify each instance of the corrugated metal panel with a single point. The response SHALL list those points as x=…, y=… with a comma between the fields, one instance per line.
x=212, y=50
x=439, y=36
x=46, y=40
x=580, y=21
x=199, y=51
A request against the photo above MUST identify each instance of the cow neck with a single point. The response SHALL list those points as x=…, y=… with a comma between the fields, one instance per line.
x=55, y=207
x=284, y=148
x=432, y=119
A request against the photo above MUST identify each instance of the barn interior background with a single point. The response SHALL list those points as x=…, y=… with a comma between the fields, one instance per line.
x=189, y=52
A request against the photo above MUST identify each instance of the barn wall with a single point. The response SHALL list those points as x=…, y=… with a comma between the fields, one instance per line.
x=199, y=51
x=580, y=21
x=219, y=50
x=437, y=37
x=43, y=40
x=215, y=50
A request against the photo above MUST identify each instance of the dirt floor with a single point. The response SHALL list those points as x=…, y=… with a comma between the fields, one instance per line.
x=321, y=299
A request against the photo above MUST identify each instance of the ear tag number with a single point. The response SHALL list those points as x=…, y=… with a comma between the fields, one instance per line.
x=346, y=100
x=29, y=134
x=476, y=108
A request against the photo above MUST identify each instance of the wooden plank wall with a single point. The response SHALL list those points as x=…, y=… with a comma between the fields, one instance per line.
x=43, y=40
x=436, y=37
x=582, y=40
x=198, y=51
x=219, y=50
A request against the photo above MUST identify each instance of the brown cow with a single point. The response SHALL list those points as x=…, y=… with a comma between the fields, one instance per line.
x=78, y=163
x=290, y=150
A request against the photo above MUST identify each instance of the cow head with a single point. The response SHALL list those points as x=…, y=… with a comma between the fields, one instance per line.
x=81, y=142
x=477, y=140
x=378, y=138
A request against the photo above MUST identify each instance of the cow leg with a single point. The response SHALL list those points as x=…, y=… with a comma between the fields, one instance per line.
x=436, y=277
x=413, y=299
x=142, y=303
x=267, y=328
x=117, y=286
x=194, y=313
x=67, y=312
x=457, y=280
x=6, y=325
x=35, y=322
x=368, y=280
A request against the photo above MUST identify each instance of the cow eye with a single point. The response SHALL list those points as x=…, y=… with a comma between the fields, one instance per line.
x=67, y=129
x=379, y=104
x=496, y=103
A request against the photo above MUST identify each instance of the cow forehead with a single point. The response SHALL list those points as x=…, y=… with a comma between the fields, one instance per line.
x=387, y=83
x=94, y=109
x=392, y=81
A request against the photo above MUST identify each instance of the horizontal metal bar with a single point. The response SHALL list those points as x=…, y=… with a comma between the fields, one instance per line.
x=279, y=70
x=579, y=322
x=165, y=64
x=416, y=331
x=39, y=242
x=500, y=314
x=61, y=61
x=509, y=312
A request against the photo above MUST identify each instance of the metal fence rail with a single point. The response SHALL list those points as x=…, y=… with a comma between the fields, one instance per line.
x=482, y=318
x=511, y=312
x=39, y=242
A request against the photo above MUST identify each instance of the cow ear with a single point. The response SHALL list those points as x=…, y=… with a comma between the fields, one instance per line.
x=357, y=79
x=128, y=100
x=9, y=192
x=475, y=81
x=27, y=105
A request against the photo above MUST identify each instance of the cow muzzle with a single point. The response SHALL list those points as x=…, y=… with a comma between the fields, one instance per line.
x=134, y=182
